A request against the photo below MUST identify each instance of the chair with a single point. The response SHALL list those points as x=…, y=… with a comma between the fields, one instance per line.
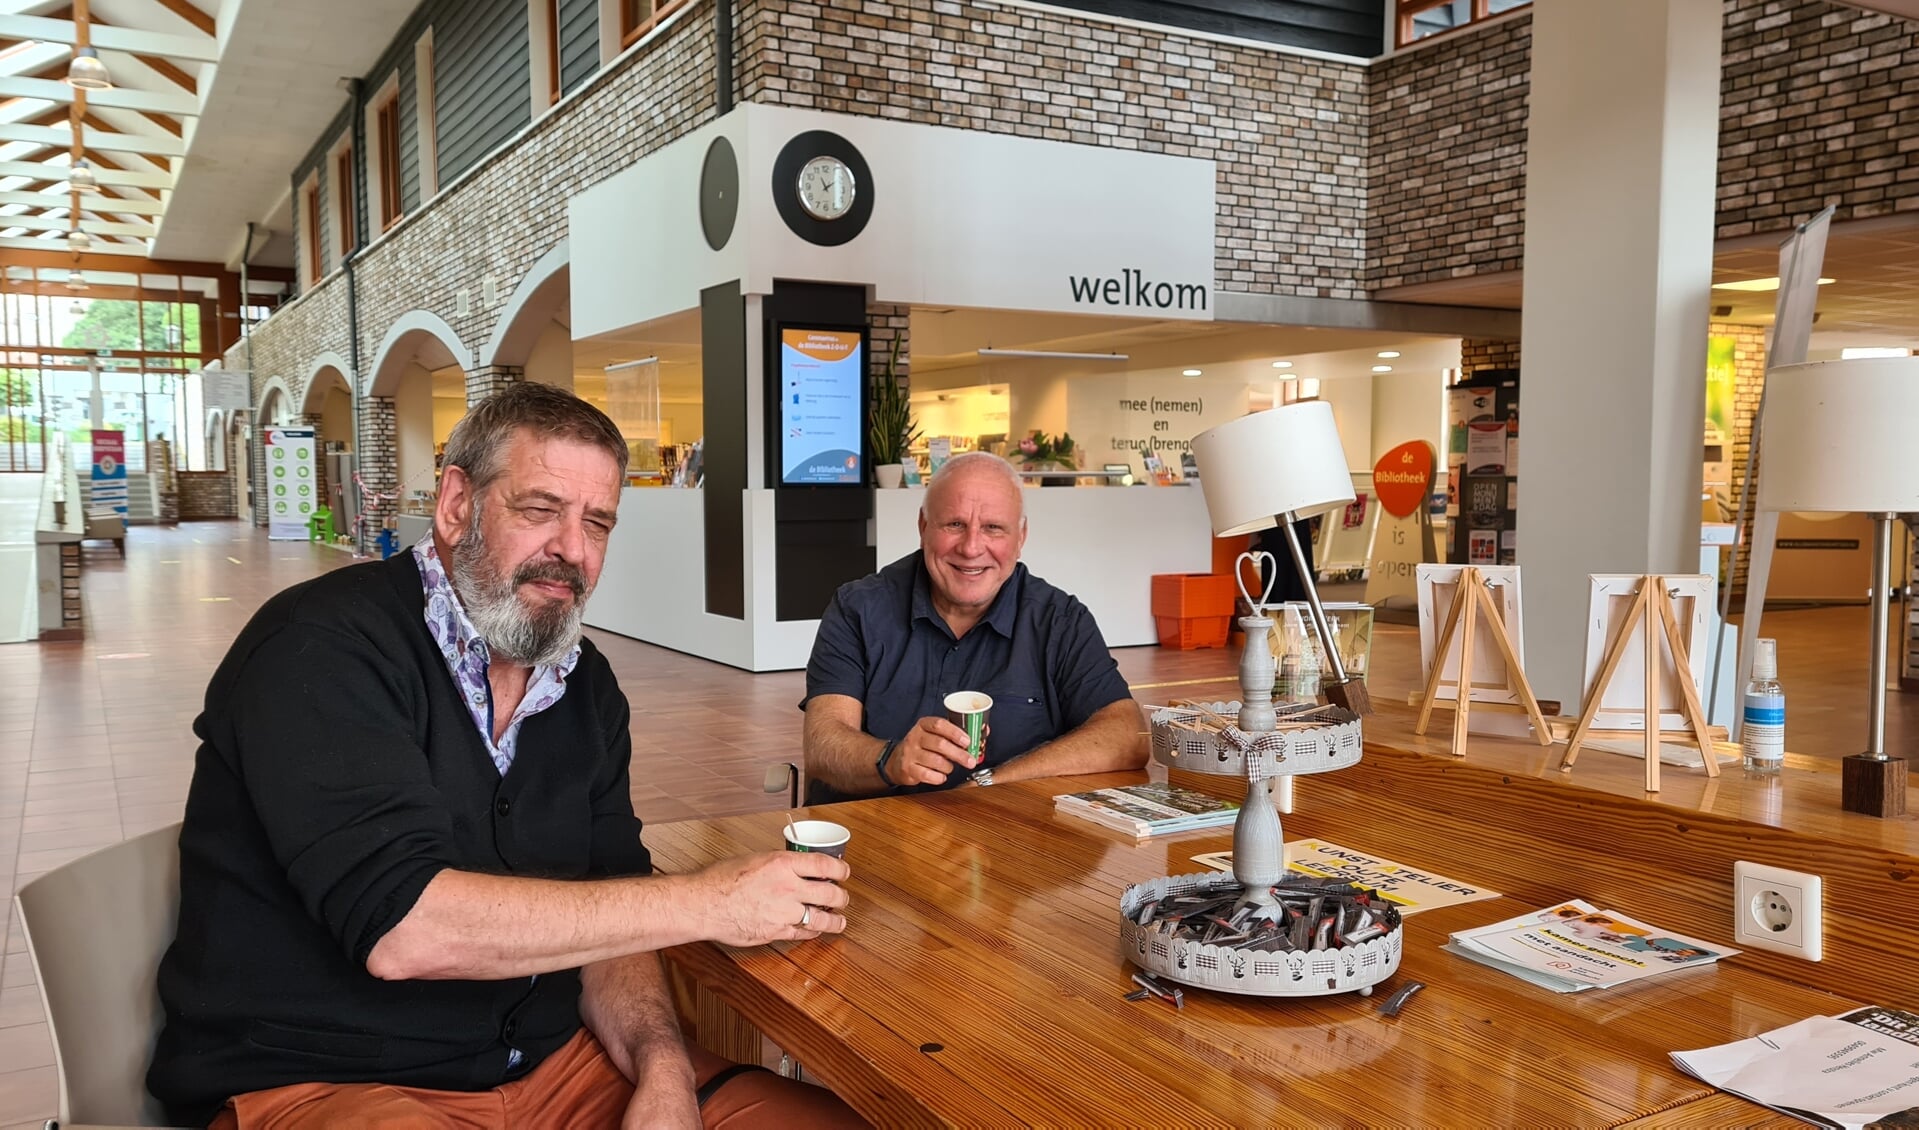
x=96, y=930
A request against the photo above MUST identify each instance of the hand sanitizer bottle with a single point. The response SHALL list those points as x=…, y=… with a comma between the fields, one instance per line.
x=1762, y=728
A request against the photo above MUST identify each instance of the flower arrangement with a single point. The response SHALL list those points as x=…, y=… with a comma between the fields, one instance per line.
x=1039, y=448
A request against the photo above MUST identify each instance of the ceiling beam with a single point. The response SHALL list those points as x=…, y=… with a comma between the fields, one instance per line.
x=59, y=174
x=38, y=254
x=96, y=139
x=100, y=203
x=30, y=246
x=91, y=227
x=119, y=98
x=190, y=14
x=192, y=48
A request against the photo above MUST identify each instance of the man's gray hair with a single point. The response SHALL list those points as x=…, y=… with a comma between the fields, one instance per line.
x=479, y=441
x=985, y=462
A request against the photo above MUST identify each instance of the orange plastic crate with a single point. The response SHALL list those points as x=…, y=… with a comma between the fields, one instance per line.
x=1192, y=633
x=1184, y=596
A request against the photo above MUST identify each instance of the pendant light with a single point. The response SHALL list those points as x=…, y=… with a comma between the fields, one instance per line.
x=76, y=280
x=81, y=178
x=87, y=72
x=78, y=240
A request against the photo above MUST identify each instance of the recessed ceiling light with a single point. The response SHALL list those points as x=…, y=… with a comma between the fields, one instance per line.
x=1382, y=368
x=1189, y=373
x=1282, y=364
x=1760, y=284
x=1389, y=353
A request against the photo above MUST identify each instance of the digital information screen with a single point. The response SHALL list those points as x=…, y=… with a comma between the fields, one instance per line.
x=820, y=380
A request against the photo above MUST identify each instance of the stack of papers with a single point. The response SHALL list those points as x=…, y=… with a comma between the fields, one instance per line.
x=1149, y=809
x=1857, y=1069
x=1408, y=888
x=1576, y=946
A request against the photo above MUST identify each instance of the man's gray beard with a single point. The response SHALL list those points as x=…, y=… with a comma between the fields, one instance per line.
x=492, y=603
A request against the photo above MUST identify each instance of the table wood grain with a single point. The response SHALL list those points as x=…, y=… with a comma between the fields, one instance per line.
x=980, y=982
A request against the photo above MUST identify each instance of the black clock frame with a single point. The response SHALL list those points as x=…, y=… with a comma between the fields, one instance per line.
x=786, y=188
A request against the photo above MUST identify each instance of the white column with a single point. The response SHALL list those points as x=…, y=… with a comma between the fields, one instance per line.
x=1620, y=168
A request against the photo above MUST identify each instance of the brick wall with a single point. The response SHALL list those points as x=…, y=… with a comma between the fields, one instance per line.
x=1288, y=132
x=1816, y=104
x=498, y=220
x=72, y=616
x=489, y=379
x=1749, y=384
x=1446, y=185
x=207, y=494
x=1816, y=107
x=1487, y=353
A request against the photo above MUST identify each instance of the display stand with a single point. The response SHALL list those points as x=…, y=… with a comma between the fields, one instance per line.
x=1470, y=602
x=1651, y=609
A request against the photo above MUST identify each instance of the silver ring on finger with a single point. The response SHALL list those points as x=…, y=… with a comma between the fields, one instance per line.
x=806, y=918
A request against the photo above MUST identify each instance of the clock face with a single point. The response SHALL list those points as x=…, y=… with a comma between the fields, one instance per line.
x=827, y=188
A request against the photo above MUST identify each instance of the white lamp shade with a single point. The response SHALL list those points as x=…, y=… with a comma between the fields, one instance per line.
x=1283, y=460
x=1838, y=436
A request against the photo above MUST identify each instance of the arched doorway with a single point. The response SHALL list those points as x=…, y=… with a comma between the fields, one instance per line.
x=216, y=440
x=659, y=407
x=237, y=448
x=328, y=403
x=422, y=366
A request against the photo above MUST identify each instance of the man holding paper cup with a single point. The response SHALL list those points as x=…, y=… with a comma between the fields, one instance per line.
x=956, y=664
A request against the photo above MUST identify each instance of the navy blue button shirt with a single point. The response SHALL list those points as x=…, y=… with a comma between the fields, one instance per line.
x=1037, y=652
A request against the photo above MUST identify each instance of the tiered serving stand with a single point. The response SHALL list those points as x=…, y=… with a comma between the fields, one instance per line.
x=1255, y=740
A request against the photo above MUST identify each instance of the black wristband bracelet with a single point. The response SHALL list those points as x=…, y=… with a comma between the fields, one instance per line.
x=879, y=763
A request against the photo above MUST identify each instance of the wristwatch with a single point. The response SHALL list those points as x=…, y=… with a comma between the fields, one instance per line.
x=982, y=776
x=879, y=763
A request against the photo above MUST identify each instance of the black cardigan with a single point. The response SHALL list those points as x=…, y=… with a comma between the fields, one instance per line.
x=338, y=772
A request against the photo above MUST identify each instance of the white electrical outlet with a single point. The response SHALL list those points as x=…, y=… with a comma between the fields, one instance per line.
x=1776, y=909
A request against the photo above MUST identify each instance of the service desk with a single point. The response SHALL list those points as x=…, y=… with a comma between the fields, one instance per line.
x=1103, y=544
x=980, y=980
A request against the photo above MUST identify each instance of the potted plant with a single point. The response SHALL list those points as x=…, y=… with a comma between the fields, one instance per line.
x=1041, y=452
x=893, y=428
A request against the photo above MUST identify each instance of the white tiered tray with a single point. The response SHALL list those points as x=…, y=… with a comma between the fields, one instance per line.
x=1332, y=742
x=1301, y=973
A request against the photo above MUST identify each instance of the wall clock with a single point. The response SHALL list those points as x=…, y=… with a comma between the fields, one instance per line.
x=823, y=188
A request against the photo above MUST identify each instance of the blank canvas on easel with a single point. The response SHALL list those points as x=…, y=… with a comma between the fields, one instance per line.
x=1438, y=587
x=1624, y=704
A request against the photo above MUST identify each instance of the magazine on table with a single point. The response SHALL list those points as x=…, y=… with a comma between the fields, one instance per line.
x=1857, y=1069
x=1576, y=946
x=1409, y=888
x=1148, y=810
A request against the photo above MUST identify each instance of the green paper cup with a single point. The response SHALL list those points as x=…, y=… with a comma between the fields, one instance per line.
x=968, y=710
x=822, y=836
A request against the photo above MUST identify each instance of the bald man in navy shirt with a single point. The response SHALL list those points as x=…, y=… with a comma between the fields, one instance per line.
x=962, y=614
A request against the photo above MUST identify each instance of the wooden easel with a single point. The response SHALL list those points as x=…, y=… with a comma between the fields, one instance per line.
x=1651, y=606
x=1471, y=600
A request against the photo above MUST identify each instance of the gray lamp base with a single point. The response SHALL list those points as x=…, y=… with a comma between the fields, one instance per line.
x=1873, y=786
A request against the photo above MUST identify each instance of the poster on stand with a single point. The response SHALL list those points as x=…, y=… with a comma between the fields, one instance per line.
x=291, y=495
x=1403, y=482
x=109, y=476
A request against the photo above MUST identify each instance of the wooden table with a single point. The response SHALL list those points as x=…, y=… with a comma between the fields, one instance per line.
x=980, y=982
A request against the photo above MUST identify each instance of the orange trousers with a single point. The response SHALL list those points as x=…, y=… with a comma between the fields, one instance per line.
x=577, y=1086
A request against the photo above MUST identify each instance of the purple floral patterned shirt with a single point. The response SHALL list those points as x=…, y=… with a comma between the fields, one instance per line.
x=467, y=657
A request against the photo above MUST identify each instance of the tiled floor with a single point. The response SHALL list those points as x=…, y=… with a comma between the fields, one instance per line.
x=95, y=741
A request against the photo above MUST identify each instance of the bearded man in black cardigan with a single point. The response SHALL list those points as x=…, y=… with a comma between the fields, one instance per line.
x=413, y=889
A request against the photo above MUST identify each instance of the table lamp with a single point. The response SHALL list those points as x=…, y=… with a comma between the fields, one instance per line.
x=1273, y=468
x=1837, y=436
